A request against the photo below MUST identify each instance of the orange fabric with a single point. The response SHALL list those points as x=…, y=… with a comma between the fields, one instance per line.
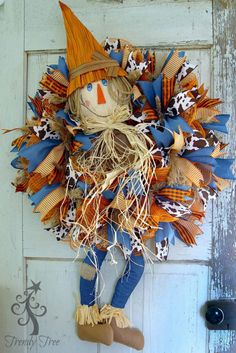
x=100, y=96
x=64, y=208
x=189, y=82
x=37, y=102
x=150, y=113
x=168, y=86
x=32, y=140
x=19, y=141
x=160, y=175
x=175, y=194
x=36, y=182
x=81, y=44
x=149, y=234
x=50, y=201
x=22, y=187
x=190, y=171
x=158, y=214
x=53, y=85
x=187, y=231
x=173, y=65
x=51, y=160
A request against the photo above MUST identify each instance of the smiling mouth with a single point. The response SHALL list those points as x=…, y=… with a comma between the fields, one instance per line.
x=93, y=112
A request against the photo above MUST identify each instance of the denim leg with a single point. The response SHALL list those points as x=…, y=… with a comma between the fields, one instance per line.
x=126, y=284
x=88, y=287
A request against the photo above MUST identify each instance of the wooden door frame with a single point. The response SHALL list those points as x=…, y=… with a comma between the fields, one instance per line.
x=223, y=262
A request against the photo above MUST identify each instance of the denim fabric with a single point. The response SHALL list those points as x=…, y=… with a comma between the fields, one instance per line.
x=126, y=284
x=88, y=288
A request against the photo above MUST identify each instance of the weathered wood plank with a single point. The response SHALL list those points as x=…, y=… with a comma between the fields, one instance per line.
x=224, y=254
x=11, y=115
x=145, y=23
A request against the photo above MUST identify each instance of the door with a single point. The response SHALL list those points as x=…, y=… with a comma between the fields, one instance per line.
x=168, y=302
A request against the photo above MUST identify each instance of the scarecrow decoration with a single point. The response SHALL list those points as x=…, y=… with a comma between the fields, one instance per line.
x=121, y=152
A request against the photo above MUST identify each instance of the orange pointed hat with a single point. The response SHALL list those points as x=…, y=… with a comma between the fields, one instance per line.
x=86, y=59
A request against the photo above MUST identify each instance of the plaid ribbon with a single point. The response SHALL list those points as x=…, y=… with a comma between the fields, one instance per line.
x=54, y=86
x=175, y=194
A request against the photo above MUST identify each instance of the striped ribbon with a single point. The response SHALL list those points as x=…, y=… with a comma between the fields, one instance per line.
x=209, y=102
x=168, y=87
x=50, y=201
x=36, y=182
x=190, y=171
x=52, y=159
x=37, y=103
x=173, y=65
x=120, y=203
x=187, y=231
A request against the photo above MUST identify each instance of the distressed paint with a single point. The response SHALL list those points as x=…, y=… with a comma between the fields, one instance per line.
x=224, y=254
x=166, y=22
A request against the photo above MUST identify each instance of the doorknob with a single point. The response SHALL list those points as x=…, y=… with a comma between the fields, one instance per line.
x=221, y=314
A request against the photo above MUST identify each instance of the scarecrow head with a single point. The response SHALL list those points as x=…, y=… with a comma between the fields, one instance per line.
x=97, y=83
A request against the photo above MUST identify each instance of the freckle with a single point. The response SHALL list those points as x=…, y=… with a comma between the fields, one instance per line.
x=87, y=103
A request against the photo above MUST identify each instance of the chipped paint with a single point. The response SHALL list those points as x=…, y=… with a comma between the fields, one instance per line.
x=223, y=282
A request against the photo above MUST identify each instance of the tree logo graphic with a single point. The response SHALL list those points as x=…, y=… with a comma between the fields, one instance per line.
x=28, y=308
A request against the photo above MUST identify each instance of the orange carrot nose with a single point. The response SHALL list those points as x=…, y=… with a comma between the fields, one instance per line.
x=100, y=95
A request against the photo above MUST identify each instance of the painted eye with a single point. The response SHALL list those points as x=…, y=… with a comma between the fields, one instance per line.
x=89, y=87
x=104, y=82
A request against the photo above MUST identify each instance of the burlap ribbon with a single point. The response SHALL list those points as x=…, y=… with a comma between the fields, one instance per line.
x=99, y=61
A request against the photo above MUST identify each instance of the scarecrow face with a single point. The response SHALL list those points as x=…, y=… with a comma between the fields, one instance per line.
x=96, y=99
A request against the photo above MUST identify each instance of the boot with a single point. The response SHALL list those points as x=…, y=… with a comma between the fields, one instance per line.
x=100, y=333
x=129, y=336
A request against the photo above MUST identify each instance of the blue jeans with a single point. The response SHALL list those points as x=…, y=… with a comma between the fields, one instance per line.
x=125, y=285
